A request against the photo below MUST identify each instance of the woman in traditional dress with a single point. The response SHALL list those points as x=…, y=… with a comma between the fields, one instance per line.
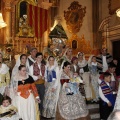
x=25, y=94
x=84, y=73
x=21, y=61
x=51, y=91
x=94, y=75
x=67, y=56
x=117, y=103
x=4, y=76
x=70, y=107
x=75, y=70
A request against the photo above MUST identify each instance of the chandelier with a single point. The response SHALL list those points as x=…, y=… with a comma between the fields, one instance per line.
x=2, y=23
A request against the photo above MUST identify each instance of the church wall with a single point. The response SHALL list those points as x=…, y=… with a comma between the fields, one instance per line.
x=2, y=29
x=86, y=28
x=104, y=11
x=113, y=33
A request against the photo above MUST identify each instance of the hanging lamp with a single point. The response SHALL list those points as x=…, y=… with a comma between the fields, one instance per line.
x=2, y=23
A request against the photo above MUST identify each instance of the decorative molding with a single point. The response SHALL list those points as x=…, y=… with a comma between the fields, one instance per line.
x=83, y=45
x=104, y=23
x=8, y=4
x=74, y=17
x=109, y=35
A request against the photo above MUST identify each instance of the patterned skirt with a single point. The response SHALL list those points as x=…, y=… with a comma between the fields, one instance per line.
x=71, y=107
x=49, y=102
x=81, y=89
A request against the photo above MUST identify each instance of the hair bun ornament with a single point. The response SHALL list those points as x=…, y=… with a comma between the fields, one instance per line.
x=80, y=53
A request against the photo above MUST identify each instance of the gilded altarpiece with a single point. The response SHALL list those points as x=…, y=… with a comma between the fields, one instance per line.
x=27, y=27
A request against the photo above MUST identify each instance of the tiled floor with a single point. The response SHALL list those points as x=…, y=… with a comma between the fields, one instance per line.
x=94, y=111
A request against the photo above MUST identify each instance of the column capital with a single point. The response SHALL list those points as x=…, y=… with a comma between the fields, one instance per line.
x=8, y=4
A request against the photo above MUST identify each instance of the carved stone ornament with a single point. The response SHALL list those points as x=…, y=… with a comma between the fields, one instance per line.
x=74, y=17
x=8, y=4
x=80, y=44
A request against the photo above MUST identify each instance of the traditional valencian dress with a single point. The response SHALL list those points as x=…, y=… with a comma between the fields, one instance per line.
x=25, y=98
x=84, y=73
x=4, y=79
x=35, y=70
x=64, y=58
x=50, y=97
x=70, y=107
x=15, y=69
x=94, y=80
x=5, y=113
x=117, y=103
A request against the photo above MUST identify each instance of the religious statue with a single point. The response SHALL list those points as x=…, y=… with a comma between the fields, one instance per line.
x=24, y=28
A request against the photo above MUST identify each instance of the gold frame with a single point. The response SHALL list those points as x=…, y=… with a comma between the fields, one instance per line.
x=72, y=44
x=17, y=12
x=74, y=17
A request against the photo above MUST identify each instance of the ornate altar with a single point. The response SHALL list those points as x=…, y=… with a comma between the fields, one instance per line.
x=26, y=23
x=29, y=22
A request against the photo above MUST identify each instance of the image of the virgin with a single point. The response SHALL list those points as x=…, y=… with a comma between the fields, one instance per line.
x=74, y=44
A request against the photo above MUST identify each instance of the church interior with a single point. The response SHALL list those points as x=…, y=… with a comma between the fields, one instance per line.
x=84, y=25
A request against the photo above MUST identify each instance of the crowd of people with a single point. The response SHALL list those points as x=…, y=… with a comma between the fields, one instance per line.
x=59, y=87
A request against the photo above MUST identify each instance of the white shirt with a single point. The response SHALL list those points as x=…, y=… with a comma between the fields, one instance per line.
x=81, y=70
x=75, y=67
x=102, y=96
x=112, y=77
x=27, y=62
x=105, y=65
